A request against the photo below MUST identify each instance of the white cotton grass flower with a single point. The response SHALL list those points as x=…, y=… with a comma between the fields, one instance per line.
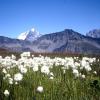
x=4, y=71
x=6, y=93
x=95, y=72
x=13, y=57
x=10, y=81
x=0, y=57
x=16, y=83
x=18, y=77
x=32, y=56
x=85, y=63
x=88, y=68
x=51, y=74
x=77, y=64
x=51, y=77
x=75, y=72
x=83, y=76
x=7, y=76
x=7, y=58
x=45, y=69
x=35, y=68
x=25, y=54
x=23, y=70
x=20, y=66
x=40, y=89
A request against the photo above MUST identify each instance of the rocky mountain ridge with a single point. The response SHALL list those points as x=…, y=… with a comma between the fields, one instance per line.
x=67, y=41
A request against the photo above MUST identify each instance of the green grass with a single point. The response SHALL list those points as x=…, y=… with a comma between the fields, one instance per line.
x=62, y=87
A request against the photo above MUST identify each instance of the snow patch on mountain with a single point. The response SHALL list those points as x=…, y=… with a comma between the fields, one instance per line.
x=29, y=35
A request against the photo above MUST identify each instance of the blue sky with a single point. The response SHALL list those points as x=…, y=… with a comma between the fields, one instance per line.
x=48, y=16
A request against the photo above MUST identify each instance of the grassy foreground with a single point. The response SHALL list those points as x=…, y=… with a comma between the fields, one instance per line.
x=61, y=78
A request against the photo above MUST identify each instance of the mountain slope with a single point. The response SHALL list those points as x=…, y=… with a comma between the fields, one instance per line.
x=67, y=41
x=14, y=44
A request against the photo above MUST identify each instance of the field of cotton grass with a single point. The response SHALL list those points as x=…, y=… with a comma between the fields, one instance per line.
x=49, y=78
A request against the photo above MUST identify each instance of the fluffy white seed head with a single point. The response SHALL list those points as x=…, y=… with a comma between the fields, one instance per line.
x=18, y=77
x=51, y=78
x=6, y=93
x=40, y=89
x=23, y=70
x=75, y=72
x=45, y=69
x=4, y=71
x=35, y=68
x=83, y=76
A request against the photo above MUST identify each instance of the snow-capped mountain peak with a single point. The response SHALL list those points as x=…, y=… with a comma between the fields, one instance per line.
x=29, y=35
x=95, y=33
x=32, y=29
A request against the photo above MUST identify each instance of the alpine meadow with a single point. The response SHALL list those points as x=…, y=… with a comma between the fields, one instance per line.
x=49, y=49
